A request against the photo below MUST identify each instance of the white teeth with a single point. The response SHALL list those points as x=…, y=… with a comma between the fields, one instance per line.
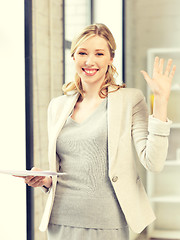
x=89, y=71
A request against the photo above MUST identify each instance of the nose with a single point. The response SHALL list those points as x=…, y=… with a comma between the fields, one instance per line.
x=90, y=60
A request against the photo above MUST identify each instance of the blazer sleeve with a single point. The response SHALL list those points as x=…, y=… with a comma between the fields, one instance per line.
x=50, y=116
x=150, y=136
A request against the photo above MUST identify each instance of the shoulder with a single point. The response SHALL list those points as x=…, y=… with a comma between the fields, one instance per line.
x=56, y=102
x=63, y=98
x=132, y=95
x=60, y=102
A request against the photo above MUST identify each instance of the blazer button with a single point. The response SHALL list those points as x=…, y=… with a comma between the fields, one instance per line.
x=115, y=178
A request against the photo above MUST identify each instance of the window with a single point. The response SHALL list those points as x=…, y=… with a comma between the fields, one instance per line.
x=77, y=14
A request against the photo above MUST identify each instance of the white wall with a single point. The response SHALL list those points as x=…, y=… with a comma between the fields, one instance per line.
x=12, y=119
x=110, y=13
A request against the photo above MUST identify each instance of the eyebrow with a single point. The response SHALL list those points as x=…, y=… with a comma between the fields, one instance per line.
x=95, y=50
x=100, y=50
x=82, y=49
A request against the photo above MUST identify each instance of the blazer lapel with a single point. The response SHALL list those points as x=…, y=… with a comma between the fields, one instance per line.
x=63, y=113
x=115, y=114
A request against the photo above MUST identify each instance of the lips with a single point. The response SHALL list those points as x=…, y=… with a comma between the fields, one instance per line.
x=90, y=71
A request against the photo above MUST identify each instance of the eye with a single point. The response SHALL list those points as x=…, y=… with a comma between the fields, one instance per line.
x=82, y=53
x=99, y=54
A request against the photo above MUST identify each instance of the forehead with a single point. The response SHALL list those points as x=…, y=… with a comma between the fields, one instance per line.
x=94, y=42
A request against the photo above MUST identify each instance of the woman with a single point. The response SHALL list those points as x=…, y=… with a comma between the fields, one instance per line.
x=92, y=130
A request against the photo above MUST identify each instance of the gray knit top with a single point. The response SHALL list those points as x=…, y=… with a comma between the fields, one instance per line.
x=84, y=196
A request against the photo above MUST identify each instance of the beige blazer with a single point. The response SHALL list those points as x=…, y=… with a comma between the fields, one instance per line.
x=129, y=126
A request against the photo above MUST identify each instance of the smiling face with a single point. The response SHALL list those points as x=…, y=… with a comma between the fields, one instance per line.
x=92, y=58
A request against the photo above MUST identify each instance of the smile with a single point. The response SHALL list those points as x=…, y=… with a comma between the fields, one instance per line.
x=90, y=72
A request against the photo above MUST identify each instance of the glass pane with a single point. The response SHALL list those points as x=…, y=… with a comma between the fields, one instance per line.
x=77, y=16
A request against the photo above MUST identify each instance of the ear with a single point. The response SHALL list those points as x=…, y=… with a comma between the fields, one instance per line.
x=73, y=56
x=111, y=61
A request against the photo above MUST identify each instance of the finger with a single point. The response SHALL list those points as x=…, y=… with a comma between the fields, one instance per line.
x=156, y=65
x=19, y=176
x=172, y=72
x=161, y=63
x=38, y=179
x=38, y=184
x=146, y=76
x=34, y=180
x=28, y=178
x=31, y=179
x=35, y=169
x=168, y=67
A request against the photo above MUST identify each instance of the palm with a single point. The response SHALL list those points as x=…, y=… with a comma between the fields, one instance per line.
x=160, y=83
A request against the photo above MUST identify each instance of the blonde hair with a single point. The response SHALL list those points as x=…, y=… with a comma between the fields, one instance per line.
x=89, y=31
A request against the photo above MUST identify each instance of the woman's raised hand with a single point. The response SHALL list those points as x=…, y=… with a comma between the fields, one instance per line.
x=160, y=83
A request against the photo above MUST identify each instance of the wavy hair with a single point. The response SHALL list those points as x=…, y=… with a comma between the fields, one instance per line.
x=100, y=30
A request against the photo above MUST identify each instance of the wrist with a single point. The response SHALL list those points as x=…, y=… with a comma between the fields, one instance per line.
x=160, y=108
x=160, y=103
x=47, y=182
x=161, y=99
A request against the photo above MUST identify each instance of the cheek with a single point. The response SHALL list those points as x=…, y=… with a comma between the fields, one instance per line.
x=78, y=64
x=78, y=61
x=78, y=67
x=104, y=64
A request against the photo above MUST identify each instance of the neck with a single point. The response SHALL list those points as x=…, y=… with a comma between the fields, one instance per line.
x=91, y=91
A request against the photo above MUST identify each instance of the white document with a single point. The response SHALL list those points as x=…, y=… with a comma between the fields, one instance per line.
x=25, y=173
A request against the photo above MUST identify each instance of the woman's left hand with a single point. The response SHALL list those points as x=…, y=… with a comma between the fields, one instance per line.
x=160, y=83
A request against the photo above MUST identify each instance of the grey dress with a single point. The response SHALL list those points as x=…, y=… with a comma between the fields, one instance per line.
x=85, y=205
